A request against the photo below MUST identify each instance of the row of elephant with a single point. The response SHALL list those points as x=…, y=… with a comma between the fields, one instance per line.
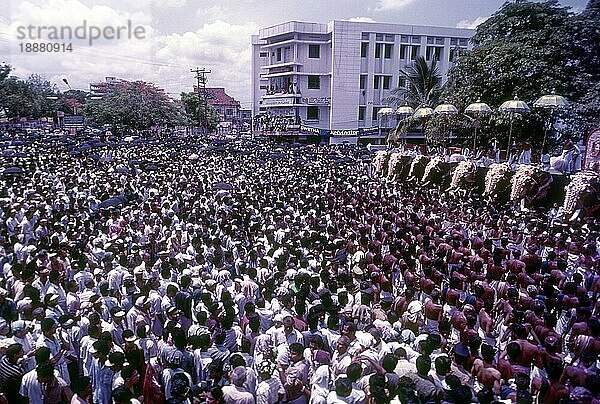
x=528, y=183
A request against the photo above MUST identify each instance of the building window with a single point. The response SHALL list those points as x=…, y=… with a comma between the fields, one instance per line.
x=439, y=41
x=389, y=38
x=430, y=40
x=404, y=38
x=375, y=111
x=312, y=113
x=454, y=52
x=433, y=52
x=314, y=51
x=264, y=54
x=378, y=50
x=387, y=53
x=314, y=82
x=386, y=82
x=453, y=41
x=279, y=54
x=414, y=53
x=463, y=42
x=376, y=82
x=363, y=81
x=416, y=39
x=402, y=82
x=379, y=37
x=361, y=113
x=403, y=51
x=364, y=49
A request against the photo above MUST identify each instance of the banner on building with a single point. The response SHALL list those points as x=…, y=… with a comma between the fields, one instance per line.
x=309, y=130
x=344, y=132
x=369, y=131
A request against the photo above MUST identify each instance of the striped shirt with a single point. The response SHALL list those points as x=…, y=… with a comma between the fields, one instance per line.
x=11, y=375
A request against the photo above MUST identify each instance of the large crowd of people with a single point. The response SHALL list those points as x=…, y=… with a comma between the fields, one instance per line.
x=180, y=272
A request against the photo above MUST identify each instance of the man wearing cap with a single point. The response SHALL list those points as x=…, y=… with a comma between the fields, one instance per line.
x=21, y=335
x=42, y=283
x=269, y=390
x=138, y=314
x=101, y=374
x=236, y=392
x=52, y=308
x=117, y=325
x=128, y=293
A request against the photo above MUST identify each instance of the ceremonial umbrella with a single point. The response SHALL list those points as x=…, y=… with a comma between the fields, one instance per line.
x=477, y=109
x=514, y=106
x=551, y=102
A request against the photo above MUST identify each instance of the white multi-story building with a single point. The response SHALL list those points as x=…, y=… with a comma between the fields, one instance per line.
x=335, y=76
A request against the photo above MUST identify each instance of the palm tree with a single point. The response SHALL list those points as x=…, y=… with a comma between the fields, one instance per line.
x=423, y=84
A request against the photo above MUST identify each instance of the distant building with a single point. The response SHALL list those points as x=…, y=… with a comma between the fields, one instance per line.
x=335, y=76
x=227, y=107
x=103, y=87
x=246, y=115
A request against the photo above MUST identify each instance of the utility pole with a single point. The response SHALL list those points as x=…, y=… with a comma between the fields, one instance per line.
x=201, y=86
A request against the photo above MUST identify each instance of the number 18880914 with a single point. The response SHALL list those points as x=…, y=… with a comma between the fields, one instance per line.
x=35, y=47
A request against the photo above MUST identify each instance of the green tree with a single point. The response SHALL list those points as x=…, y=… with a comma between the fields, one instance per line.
x=17, y=98
x=200, y=111
x=527, y=49
x=133, y=105
x=423, y=84
x=42, y=89
x=25, y=99
x=586, y=83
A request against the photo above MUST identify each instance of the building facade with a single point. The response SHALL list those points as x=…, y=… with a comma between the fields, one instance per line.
x=335, y=76
x=226, y=106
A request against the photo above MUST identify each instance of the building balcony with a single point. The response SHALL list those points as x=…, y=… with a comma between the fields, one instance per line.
x=281, y=65
x=281, y=95
x=293, y=41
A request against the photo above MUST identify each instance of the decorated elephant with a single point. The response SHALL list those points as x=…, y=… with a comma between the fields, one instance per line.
x=380, y=163
x=437, y=171
x=417, y=167
x=498, y=181
x=582, y=194
x=530, y=184
x=398, y=166
x=464, y=176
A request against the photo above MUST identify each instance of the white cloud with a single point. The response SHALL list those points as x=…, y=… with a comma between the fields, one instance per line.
x=361, y=19
x=384, y=5
x=472, y=24
x=164, y=59
x=213, y=13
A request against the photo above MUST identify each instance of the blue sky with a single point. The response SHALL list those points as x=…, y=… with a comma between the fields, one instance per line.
x=181, y=34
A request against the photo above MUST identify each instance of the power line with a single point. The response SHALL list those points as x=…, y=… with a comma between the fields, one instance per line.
x=201, y=88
